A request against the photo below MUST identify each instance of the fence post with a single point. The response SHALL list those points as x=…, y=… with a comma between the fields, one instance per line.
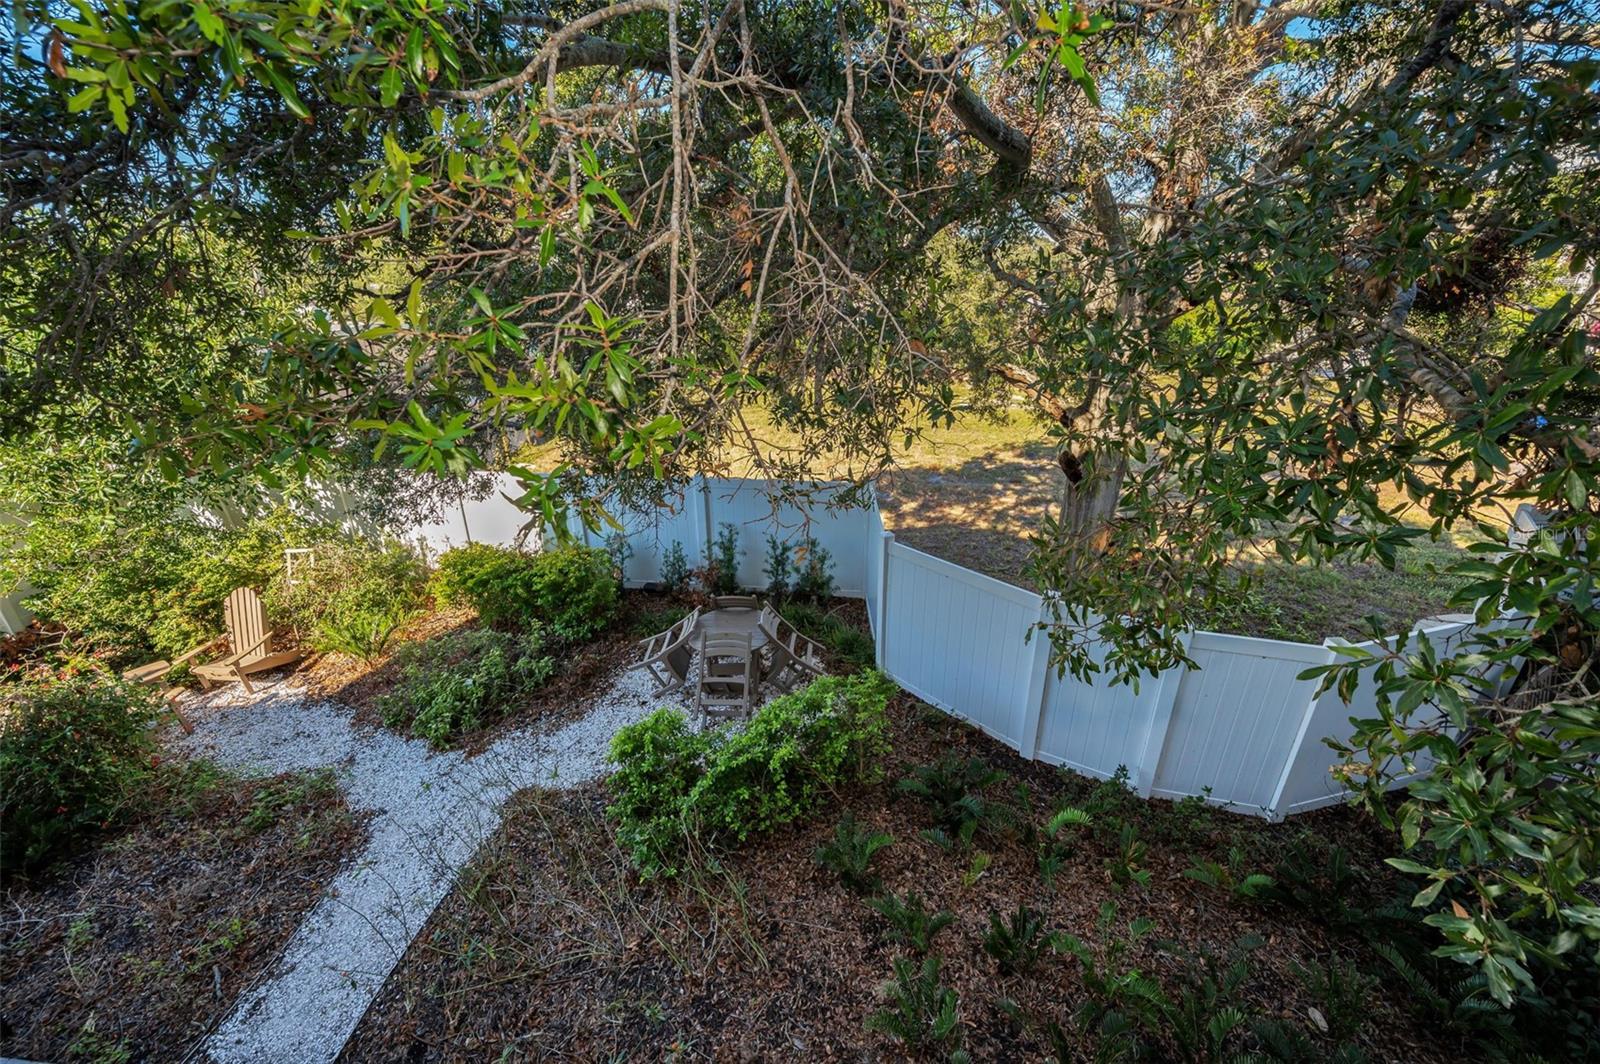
x=1155, y=740
x=1038, y=679
x=1274, y=809
x=706, y=526
x=879, y=641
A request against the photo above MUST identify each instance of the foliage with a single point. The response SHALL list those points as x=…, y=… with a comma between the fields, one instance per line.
x=458, y=568
x=360, y=632
x=921, y=1011
x=850, y=854
x=849, y=643
x=909, y=920
x=456, y=683
x=1233, y=877
x=1498, y=830
x=778, y=568
x=351, y=597
x=1057, y=848
x=72, y=755
x=1341, y=990
x=674, y=568
x=619, y=548
x=1017, y=943
x=723, y=578
x=140, y=585
x=954, y=789
x=571, y=590
x=1126, y=865
x=813, y=571
x=672, y=782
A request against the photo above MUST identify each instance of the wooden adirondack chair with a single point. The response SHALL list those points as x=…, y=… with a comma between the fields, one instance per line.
x=787, y=657
x=249, y=640
x=727, y=682
x=668, y=655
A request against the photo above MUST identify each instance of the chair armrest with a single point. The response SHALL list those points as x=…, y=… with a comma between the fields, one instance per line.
x=191, y=655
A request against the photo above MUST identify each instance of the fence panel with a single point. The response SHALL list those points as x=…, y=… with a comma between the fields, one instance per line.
x=1309, y=782
x=957, y=639
x=1095, y=727
x=1236, y=720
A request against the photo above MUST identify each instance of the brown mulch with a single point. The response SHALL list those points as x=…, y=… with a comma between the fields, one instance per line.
x=552, y=949
x=135, y=949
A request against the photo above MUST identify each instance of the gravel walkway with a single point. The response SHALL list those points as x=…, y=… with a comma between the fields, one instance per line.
x=429, y=811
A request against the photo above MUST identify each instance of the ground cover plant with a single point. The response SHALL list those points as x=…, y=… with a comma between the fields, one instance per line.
x=460, y=681
x=757, y=951
x=135, y=948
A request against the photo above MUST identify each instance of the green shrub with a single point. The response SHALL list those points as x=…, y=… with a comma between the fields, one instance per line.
x=138, y=588
x=458, y=567
x=350, y=588
x=457, y=683
x=920, y=1010
x=72, y=755
x=675, y=568
x=571, y=590
x=726, y=785
x=954, y=788
x=1018, y=943
x=778, y=567
x=849, y=644
x=723, y=575
x=910, y=921
x=850, y=854
x=363, y=633
x=813, y=571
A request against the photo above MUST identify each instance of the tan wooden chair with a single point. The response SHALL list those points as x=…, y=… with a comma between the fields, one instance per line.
x=250, y=648
x=727, y=682
x=668, y=655
x=787, y=657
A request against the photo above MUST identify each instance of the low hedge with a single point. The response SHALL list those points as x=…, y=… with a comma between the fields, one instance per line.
x=722, y=785
x=73, y=756
x=570, y=590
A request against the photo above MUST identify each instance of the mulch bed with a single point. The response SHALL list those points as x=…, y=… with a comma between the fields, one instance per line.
x=134, y=950
x=583, y=673
x=551, y=948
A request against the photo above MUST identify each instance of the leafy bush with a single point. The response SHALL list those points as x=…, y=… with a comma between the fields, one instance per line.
x=725, y=785
x=351, y=591
x=458, y=567
x=921, y=1011
x=675, y=568
x=72, y=755
x=137, y=588
x=362, y=633
x=777, y=570
x=1234, y=877
x=814, y=572
x=570, y=590
x=1060, y=840
x=954, y=788
x=456, y=683
x=619, y=548
x=909, y=920
x=1018, y=943
x=851, y=852
x=723, y=577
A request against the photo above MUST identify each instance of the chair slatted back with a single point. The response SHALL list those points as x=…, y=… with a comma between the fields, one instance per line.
x=246, y=621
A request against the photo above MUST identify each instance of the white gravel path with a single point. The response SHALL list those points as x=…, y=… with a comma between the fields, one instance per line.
x=430, y=813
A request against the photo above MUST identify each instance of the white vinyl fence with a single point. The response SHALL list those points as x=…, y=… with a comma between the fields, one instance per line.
x=1242, y=730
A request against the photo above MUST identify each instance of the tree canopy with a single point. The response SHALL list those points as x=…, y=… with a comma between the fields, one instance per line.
x=1253, y=261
